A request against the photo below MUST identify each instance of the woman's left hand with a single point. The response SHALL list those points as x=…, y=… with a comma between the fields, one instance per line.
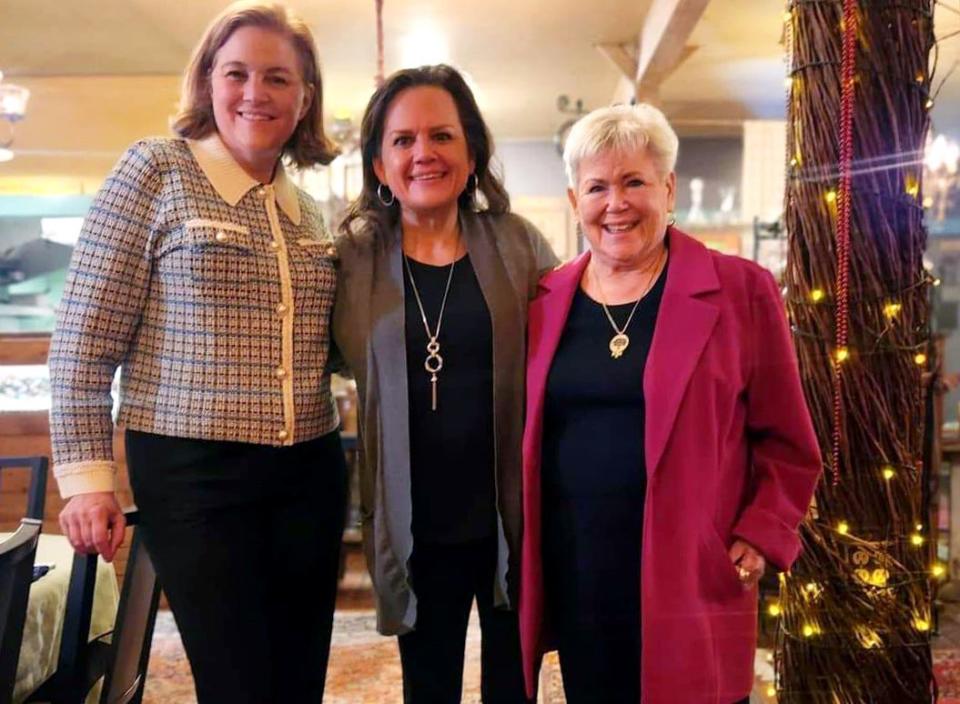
x=748, y=561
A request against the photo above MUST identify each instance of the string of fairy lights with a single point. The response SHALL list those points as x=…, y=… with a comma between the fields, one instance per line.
x=853, y=619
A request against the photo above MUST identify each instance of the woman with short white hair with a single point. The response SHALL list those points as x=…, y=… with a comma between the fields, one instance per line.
x=668, y=451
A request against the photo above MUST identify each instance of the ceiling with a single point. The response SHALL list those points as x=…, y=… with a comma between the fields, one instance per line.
x=105, y=72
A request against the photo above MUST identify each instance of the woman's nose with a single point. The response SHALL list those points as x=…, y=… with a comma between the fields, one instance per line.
x=422, y=150
x=253, y=90
x=616, y=199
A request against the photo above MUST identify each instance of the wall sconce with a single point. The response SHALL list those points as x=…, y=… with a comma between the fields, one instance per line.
x=567, y=107
x=13, y=106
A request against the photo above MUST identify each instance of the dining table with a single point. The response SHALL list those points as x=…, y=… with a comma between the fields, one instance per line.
x=43, y=626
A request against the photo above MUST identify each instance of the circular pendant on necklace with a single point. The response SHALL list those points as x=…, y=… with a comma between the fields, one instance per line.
x=618, y=345
x=433, y=364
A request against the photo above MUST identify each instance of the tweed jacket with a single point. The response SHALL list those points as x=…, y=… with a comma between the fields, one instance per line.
x=508, y=255
x=211, y=291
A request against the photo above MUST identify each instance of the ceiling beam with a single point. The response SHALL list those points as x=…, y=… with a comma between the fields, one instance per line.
x=623, y=55
x=660, y=47
x=663, y=38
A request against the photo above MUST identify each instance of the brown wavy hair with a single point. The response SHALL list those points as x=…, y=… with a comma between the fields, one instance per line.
x=309, y=144
x=367, y=210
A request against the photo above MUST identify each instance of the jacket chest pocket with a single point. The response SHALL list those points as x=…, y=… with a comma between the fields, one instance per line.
x=313, y=261
x=210, y=252
x=314, y=249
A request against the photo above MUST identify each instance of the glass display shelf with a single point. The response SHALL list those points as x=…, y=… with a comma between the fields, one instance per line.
x=26, y=388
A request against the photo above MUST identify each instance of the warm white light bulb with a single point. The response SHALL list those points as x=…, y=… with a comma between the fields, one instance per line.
x=425, y=43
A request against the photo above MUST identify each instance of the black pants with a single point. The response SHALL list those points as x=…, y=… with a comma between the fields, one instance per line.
x=599, y=660
x=599, y=663
x=446, y=578
x=246, y=542
x=581, y=685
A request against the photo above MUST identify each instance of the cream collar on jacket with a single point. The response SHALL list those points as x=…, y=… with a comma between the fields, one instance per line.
x=232, y=183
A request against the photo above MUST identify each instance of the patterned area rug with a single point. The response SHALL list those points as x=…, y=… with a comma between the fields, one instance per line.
x=364, y=666
x=946, y=668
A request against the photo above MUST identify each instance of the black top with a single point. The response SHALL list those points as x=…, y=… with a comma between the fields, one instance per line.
x=451, y=448
x=593, y=465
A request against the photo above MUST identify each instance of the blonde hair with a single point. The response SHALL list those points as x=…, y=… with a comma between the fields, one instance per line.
x=309, y=144
x=621, y=127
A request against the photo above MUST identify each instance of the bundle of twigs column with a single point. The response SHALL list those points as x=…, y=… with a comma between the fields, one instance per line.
x=855, y=610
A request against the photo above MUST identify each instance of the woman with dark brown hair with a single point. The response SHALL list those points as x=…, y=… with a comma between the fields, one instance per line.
x=208, y=276
x=430, y=317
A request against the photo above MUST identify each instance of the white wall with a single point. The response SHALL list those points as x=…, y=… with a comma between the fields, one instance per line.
x=533, y=176
x=532, y=168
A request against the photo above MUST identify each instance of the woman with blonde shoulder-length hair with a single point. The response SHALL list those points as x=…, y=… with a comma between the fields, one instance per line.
x=668, y=451
x=208, y=277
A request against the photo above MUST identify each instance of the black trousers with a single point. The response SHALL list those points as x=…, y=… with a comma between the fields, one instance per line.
x=583, y=676
x=246, y=542
x=446, y=578
x=599, y=660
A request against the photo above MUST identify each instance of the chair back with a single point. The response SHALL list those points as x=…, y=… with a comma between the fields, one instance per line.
x=16, y=574
x=121, y=662
x=133, y=633
x=37, y=491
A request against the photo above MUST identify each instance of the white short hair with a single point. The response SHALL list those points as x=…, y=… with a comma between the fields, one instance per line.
x=627, y=127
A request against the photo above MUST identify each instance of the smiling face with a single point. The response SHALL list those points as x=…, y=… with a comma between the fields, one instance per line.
x=258, y=96
x=424, y=157
x=622, y=203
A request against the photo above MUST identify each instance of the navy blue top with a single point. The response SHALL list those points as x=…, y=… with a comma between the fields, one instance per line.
x=593, y=466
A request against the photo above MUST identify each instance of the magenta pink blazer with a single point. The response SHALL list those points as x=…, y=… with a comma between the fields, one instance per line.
x=730, y=452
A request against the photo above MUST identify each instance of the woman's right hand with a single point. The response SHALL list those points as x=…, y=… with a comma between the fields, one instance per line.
x=94, y=523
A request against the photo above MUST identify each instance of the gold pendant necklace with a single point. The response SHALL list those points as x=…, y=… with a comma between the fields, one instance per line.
x=620, y=340
x=433, y=362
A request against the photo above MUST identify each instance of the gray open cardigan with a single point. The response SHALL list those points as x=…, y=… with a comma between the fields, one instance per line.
x=508, y=255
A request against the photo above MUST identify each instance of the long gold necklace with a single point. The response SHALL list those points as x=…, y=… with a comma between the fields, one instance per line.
x=433, y=362
x=620, y=340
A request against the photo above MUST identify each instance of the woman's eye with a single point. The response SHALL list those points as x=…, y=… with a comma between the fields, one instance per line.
x=595, y=188
x=636, y=182
x=236, y=75
x=278, y=80
x=401, y=141
x=443, y=136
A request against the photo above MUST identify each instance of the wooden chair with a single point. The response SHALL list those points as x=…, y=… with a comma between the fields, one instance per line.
x=122, y=661
x=133, y=633
x=16, y=568
x=16, y=574
x=37, y=492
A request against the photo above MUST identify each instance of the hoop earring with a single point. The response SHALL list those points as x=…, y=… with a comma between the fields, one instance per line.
x=672, y=220
x=476, y=183
x=386, y=203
